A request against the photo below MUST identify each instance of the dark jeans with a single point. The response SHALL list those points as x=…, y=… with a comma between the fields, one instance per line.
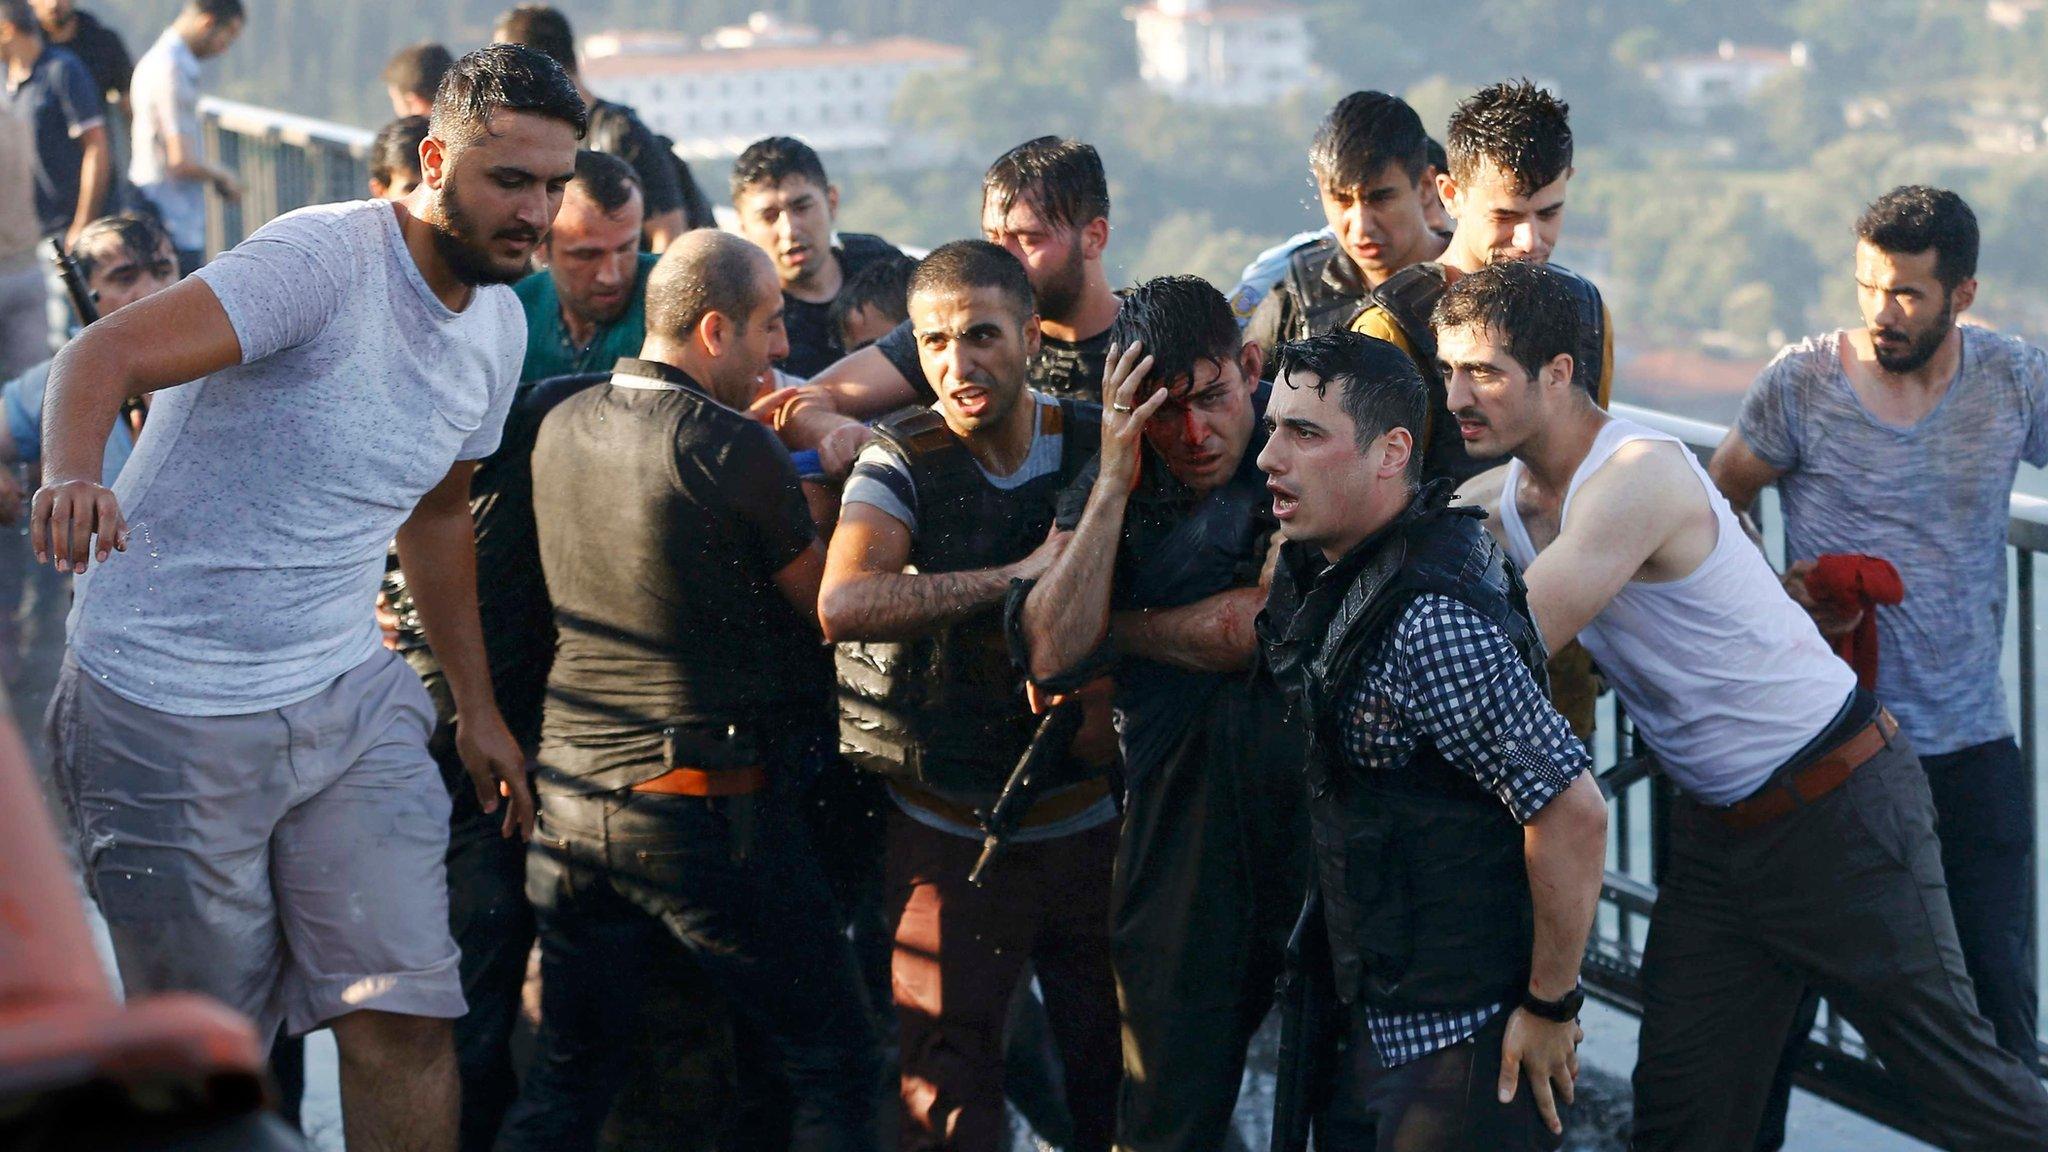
x=1987, y=849
x=613, y=878
x=493, y=925
x=1845, y=897
x=1443, y=1102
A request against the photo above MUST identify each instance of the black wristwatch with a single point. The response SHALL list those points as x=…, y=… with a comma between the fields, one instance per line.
x=1561, y=1010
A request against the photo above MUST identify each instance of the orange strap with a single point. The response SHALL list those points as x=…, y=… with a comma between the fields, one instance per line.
x=703, y=782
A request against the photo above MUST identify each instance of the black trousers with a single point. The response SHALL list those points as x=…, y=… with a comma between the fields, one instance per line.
x=1444, y=1102
x=1845, y=897
x=1987, y=849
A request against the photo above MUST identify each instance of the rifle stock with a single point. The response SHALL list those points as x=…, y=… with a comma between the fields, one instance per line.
x=1047, y=749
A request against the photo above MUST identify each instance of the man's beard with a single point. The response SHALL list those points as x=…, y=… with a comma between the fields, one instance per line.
x=459, y=240
x=1918, y=351
x=1060, y=295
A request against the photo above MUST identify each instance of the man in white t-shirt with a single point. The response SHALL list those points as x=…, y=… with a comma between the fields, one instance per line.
x=256, y=809
x=1802, y=851
x=167, y=165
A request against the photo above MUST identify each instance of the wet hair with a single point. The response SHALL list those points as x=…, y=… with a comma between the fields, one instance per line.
x=1913, y=218
x=417, y=70
x=16, y=14
x=609, y=181
x=542, y=28
x=503, y=78
x=1380, y=387
x=137, y=232
x=1524, y=132
x=963, y=265
x=1062, y=180
x=397, y=149
x=1182, y=320
x=704, y=271
x=1529, y=304
x=883, y=285
x=1363, y=134
x=219, y=11
x=770, y=161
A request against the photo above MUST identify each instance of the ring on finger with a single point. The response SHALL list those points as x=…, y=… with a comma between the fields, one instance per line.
x=1125, y=408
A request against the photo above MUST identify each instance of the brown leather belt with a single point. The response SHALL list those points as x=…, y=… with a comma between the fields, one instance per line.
x=707, y=782
x=1051, y=810
x=1800, y=787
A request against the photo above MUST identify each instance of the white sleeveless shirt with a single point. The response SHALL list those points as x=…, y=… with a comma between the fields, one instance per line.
x=1722, y=673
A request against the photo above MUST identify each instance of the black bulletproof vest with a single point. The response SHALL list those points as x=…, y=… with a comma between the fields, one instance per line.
x=948, y=711
x=1315, y=285
x=1421, y=869
x=1410, y=295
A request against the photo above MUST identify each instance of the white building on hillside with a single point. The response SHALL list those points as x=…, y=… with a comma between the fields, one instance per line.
x=1693, y=86
x=767, y=78
x=1243, y=54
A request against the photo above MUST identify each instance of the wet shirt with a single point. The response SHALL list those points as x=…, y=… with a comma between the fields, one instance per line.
x=1178, y=547
x=60, y=103
x=814, y=341
x=550, y=351
x=1067, y=369
x=1934, y=499
x=263, y=499
x=663, y=517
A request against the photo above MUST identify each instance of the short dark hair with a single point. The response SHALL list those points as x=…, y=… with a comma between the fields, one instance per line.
x=1382, y=390
x=1061, y=179
x=416, y=70
x=1522, y=130
x=774, y=159
x=542, y=28
x=1182, y=321
x=138, y=232
x=1913, y=218
x=1438, y=158
x=1529, y=304
x=16, y=14
x=397, y=149
x=507, y=78
x=882, y=284
x=704, y=271
x=606, y=179
x=219, y=11
x=968, y=264
x=1363, y=134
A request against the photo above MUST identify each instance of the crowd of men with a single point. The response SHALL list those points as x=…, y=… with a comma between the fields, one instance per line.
x=929, y=687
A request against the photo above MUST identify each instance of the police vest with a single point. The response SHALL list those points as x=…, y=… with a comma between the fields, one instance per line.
x=1409, y=297
x=1313, y=284
x=1422, y=870
x=948, y=711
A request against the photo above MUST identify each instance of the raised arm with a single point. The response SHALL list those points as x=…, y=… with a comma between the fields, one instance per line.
x=175, y=336
x=866, y=594
x=1623, y=516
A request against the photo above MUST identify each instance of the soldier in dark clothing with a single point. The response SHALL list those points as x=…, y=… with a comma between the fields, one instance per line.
x=675, y=204
x=1459, y=834
x=942, y=513
x=1370, y=162
x=1172, y=531
x=688, y=700
x=787, y=206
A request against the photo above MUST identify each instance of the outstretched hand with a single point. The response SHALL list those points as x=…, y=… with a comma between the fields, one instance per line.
x=74, y=523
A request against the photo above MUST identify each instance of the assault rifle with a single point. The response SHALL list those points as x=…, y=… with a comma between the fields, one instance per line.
x=1308, y=1020
x=85, y=304
x=1048, y=750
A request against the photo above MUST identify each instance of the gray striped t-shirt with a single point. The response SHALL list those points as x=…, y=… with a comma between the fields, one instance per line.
x=1932, y=499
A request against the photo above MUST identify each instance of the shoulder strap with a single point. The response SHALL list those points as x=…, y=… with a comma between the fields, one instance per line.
x=1409, y=296
x=940, y=466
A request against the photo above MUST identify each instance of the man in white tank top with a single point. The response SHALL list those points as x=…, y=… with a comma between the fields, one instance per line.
x=1803, y=853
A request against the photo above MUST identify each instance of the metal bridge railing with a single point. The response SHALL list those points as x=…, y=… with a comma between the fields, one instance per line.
x=1834, y=1063
x=283, y=162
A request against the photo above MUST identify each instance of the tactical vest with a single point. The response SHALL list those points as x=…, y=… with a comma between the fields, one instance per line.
x=948, y=711
x=1409, y=297
x=1313, y=283
x=1421, y=869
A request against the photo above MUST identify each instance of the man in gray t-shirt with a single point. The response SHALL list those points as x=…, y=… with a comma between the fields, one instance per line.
x=1900, y=440
x=257, y=813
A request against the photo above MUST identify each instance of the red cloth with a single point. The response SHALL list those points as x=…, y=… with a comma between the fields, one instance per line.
x=1850, y=583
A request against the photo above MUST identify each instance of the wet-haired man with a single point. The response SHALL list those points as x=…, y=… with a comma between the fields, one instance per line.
x=1802, y=850
x=244, y=757
x=1172, y=529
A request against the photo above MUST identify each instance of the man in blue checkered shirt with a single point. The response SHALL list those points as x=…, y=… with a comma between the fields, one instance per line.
x=1459, y=834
